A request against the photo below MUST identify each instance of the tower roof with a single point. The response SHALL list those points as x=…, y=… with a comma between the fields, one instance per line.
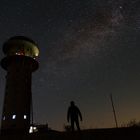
x=21, y=45
x=21, y=38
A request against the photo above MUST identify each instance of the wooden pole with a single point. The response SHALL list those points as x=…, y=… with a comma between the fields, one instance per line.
x=114, y=113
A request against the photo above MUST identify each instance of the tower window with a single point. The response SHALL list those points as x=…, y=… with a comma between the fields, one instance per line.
x=4, y=118
x=25, y=117
x=14, y=117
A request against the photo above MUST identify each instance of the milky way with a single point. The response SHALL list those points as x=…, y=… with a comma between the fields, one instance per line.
x=87, y=35
x=88, y=49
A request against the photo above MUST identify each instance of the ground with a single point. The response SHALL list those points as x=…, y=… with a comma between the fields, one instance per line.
x=92, y=134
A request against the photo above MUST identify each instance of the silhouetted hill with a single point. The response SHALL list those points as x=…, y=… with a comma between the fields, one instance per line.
x=91, y=134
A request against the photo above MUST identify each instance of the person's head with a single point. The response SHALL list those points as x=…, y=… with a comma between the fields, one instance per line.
x=72, y=103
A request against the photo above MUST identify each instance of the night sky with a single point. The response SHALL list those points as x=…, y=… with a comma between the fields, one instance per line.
x=88, y=49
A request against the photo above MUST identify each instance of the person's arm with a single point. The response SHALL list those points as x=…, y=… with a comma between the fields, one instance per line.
x=80, y=115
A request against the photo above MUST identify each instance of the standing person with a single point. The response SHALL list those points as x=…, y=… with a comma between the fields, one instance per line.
x=73, y=115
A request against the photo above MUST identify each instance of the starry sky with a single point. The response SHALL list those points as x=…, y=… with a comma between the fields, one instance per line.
x=88, y=50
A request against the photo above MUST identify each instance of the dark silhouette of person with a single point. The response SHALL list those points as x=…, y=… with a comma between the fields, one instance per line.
x=73, y=115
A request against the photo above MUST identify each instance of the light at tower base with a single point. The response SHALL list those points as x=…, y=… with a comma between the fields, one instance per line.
x=19, y=62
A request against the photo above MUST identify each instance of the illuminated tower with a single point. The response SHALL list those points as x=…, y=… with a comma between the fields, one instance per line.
x=19, y=62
